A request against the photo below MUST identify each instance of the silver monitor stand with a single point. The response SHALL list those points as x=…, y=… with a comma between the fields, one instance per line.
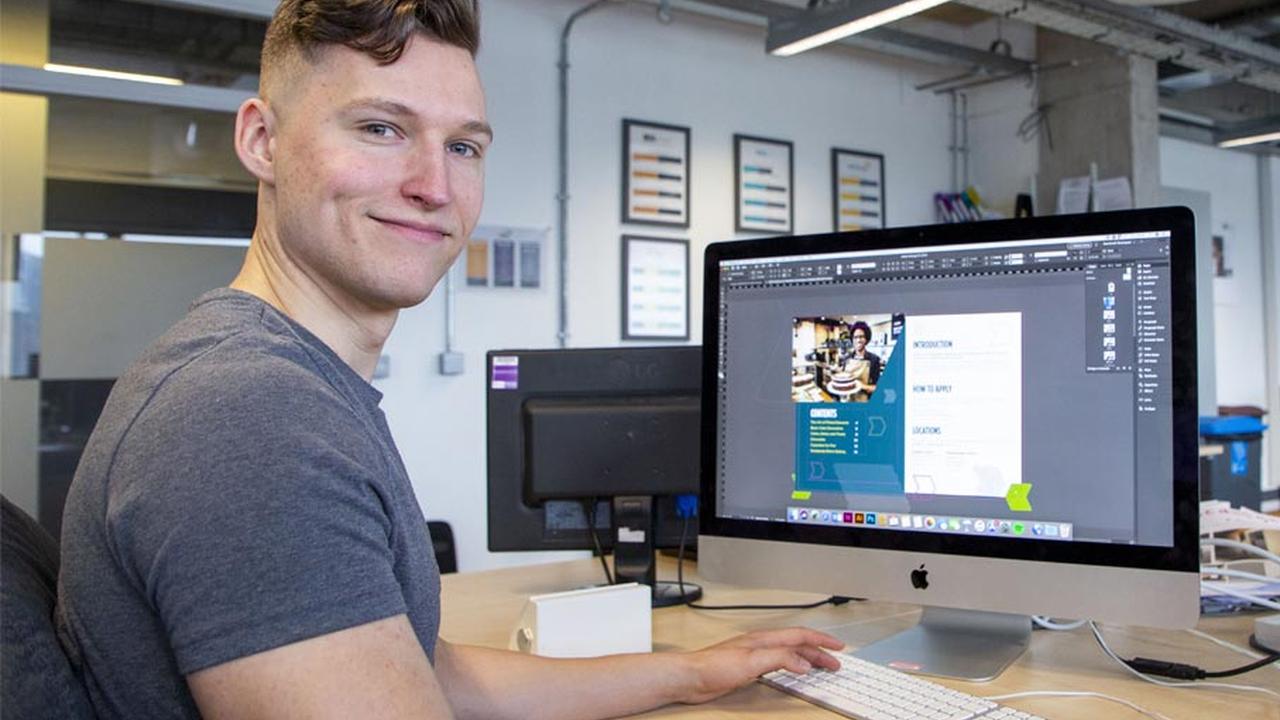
x=961, y=644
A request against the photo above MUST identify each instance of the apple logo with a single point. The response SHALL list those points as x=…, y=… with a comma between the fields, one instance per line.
x=920, y=578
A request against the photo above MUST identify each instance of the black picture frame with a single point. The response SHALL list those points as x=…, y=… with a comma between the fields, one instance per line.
x=649, y=202
x=626, y=289
x=746, y=193
x=840, y=180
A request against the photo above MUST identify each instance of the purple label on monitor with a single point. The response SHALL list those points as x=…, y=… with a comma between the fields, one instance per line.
x=505, y=374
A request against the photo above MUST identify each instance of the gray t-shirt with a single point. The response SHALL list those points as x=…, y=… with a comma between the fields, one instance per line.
x=240, y=492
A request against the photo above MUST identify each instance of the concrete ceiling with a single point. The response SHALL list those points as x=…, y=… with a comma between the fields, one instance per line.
x=1219, y=59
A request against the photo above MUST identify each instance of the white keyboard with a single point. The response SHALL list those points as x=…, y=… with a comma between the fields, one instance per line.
x=867, y=691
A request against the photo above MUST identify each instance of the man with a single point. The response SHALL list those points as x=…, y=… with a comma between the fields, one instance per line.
x=241, y=539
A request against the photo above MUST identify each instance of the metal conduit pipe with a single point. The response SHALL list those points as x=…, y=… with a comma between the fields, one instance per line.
x=964, y=138
x=562, y=194
x=955, y=143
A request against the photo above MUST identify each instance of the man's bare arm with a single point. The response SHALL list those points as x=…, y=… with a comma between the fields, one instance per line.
x=373, y=670
x=487, y=683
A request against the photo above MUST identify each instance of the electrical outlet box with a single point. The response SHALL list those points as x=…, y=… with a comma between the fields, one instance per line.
x=451, y=363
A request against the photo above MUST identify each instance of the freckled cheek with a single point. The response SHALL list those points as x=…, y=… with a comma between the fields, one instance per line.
x=468, y=189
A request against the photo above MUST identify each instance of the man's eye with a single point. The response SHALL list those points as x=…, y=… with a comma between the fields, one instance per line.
x=379, y=130
x=464, y=149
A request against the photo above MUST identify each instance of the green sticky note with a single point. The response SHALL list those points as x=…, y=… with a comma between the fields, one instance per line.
x=1019, y=497
x=800, y=494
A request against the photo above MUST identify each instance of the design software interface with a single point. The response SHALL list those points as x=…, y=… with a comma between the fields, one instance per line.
x=997, y=388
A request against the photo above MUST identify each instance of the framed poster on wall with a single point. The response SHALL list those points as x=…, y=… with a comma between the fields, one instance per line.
x=655, y=174
x=857, y=190
x=762, y=188
x=655, y=288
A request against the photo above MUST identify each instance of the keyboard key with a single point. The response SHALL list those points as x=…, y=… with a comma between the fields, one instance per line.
x=866, y=691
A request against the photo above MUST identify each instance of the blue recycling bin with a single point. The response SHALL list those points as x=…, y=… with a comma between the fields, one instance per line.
x=1236, y=474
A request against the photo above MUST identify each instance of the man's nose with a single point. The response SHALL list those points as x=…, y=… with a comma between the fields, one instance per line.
x=428, y=180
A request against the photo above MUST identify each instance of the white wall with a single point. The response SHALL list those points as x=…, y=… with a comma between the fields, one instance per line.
x=710, y=75
x=1231, y=179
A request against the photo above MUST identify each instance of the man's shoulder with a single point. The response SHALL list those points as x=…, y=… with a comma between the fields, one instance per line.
x=229, y=399
x=230, y=378
x=231, y=350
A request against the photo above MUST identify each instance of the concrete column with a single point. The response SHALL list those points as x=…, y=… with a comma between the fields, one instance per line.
x=24, y=121
x=1268, y=192
x=1103, y=111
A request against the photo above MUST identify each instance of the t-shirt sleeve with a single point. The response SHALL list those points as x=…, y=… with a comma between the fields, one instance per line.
x=253, y=517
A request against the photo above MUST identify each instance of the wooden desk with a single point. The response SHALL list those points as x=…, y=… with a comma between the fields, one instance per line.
x=482, y=609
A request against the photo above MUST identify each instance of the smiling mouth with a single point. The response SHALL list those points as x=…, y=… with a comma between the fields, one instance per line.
x=422, y=232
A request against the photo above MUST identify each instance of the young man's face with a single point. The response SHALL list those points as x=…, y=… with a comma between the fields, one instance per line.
x=379, y=170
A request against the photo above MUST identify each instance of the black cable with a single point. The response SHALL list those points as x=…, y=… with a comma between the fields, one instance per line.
x=836, y=600
x=1182, y=671
x=595, y=538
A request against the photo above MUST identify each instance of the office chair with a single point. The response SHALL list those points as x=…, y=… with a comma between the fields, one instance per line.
x=37, y=678
x=442, y=543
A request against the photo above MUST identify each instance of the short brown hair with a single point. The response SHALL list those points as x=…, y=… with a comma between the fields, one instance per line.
x=378, y=28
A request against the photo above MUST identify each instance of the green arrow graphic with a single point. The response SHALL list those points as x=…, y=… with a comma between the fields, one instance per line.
x=1019, y=497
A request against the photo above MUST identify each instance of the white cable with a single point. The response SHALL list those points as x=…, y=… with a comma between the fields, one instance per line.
x=1225, y=590
x=1066, y=693
x=1247, y=652
x=1048, y=624
x=1228, y=572
x=1246, y=547
x=1097, y=634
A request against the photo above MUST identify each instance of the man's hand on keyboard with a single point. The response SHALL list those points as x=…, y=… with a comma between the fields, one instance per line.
x=733, y=663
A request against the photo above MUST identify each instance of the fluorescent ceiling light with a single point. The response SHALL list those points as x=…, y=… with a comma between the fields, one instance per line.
x=185, y=240
x=828, y=23
x=1250, y=140
x=113, y=74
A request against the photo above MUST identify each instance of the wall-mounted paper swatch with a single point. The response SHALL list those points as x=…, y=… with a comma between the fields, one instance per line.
x=763, y=188
x=857, y=190
x=655, y=174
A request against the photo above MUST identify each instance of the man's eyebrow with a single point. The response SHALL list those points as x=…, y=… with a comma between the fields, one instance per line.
x=480, y=127
x=392, y=107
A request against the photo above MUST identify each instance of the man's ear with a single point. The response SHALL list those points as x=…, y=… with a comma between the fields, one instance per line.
x=255, y=139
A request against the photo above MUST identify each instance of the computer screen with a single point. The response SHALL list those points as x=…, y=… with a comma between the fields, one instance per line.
x=995, y=416
x=601, y=437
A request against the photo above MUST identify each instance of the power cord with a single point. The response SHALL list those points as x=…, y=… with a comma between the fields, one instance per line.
x=1079, y=694
x=1156, y=667
x=595, y=537
x=1048, y=623
x=836, y=600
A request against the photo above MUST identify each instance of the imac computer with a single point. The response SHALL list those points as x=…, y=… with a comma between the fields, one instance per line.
x=992, y=420
x=592, y=449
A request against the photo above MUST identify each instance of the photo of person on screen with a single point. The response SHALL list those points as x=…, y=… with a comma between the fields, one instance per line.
x=862, y=364
x=832, y=359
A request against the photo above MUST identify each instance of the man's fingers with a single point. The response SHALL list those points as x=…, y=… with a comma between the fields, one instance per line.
x=768, y=660
x=791, y=637
x=819, y=658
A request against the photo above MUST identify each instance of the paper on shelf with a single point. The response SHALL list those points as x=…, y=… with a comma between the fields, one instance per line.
x=1218, y=516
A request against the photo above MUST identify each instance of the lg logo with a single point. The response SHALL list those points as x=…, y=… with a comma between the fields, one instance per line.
x=920, y=578
x=622, y=370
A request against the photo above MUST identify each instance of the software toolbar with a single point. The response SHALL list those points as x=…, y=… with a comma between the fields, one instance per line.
x=1016, y=528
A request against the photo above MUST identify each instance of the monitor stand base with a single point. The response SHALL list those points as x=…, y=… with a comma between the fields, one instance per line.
x=667, y=593
x=961, y=644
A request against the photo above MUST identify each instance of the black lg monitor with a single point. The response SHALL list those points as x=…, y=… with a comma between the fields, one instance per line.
x=593, y=449
x=992, y=420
